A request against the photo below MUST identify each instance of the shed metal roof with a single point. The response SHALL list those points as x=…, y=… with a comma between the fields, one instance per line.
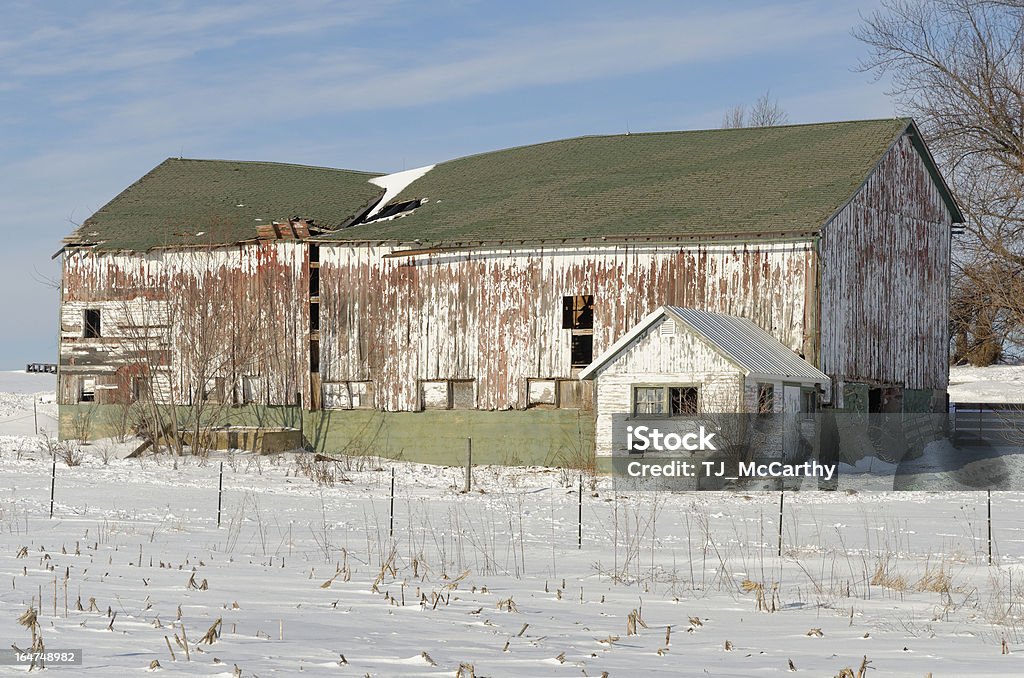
x=738, y=340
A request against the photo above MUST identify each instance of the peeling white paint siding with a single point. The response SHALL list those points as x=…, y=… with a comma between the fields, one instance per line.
x=495, y=315
x=885, y=279
x=159, y=301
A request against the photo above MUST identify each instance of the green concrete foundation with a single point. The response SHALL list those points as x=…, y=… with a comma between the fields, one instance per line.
x=515, y=437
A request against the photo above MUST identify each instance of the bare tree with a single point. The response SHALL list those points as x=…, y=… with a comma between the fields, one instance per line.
x=766, y=112
x=735, y=117
x=957, y=67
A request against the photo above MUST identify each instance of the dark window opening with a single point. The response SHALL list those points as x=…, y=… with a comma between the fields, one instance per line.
x=765, y=398
x=213, y=390
x=578, y=312
x=314, y=253
x=682, y=400
x=885, y=400
x=396, y=209
x=582, y=349
x=314, y=317
x=314, y=356
x=142, y=389
x=314, y=282
x=91, y=323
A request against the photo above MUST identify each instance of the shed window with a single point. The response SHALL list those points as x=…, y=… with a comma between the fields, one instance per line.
x=809, y=402
x=91, y=323
x=682, y=400
x=765, y=398
x=673, y=401
x=648, y=400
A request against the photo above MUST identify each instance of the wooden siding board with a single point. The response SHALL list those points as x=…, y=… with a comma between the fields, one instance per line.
x=885, y=274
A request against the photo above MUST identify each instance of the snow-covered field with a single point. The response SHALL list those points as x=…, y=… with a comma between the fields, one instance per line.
x=993, y=384
x=304, y=574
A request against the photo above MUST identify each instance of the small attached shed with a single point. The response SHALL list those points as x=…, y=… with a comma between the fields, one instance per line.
x=685, y=361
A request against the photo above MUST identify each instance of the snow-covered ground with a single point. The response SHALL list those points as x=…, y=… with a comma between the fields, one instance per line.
x=306, y=576
x=994, y=384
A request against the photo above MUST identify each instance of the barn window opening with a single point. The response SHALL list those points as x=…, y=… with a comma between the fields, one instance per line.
x=314, y=253
x=578, y=317
x=314, y=355
x=578, y=312
x=765, y=398
x=91, y=323
x=314, y=317
x=142, y=389
x=347, y=395
x=582, y=349
x=87, y=392
x=213, y=390
x=314, y=283
x=682, y=400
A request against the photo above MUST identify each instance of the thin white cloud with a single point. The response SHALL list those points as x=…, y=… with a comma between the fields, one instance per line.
x=351, y=79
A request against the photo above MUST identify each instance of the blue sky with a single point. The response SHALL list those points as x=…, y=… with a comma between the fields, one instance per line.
x=94, y=94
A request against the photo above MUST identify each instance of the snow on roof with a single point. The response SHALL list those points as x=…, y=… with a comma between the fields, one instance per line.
x=393, y=184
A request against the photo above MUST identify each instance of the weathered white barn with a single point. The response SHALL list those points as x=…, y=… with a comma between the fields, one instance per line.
x=684, y=361
x=465, y=300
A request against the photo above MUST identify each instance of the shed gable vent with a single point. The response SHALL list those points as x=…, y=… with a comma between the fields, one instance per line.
x=668, y=328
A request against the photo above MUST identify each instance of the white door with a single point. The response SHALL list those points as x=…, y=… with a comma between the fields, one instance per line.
x=791, y=401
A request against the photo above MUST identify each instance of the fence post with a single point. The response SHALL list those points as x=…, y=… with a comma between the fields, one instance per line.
x=53, y=486
x=391, y=524
x=782, y=500
x=579, y=529
x=469, y=465
x=990, y=527
x=220, y=493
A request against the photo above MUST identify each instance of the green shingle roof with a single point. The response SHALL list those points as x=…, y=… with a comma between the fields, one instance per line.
x=746, y=182
x=200, y=202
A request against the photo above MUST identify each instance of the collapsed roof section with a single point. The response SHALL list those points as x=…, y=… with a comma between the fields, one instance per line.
x=182, y=203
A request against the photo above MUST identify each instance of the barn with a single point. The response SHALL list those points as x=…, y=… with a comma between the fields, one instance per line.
x=402, y=314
